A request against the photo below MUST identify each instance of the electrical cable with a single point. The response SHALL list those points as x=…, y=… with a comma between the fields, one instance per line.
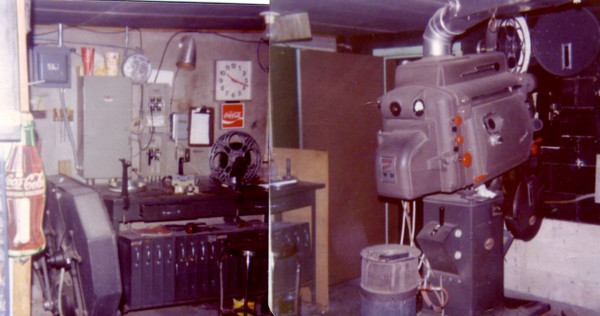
x=164, y=53
x=96, y=30
x=234, y=38
x=68, y=128
x=201, y=32
x=403, y=203
x=414, y=223
x=408, y=222
x=61, y=280
x=173, y=88
x=194, y=167
x=80, y=43
x=125, y=54
x=46, y=33
x=151, y=129
x=140, y=34
x=425, y=287
x=260, y=65
x=142, y=125
x=442, y=300
x=38, y=38
x=575, y=200
x=259, y=42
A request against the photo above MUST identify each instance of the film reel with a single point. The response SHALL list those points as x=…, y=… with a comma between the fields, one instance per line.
x=566, y=43
x=512, y=37
x=523, y=213
x=235, y=155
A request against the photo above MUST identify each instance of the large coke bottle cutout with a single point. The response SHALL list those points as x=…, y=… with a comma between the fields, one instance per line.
x=25, y=194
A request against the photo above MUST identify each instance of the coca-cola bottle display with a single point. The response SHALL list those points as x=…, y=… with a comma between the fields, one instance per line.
x=25, y=195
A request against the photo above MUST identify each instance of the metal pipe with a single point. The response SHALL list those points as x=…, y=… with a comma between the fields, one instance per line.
x=387, y=226
x=437, y=37
x=126, y=50
x=60, y=34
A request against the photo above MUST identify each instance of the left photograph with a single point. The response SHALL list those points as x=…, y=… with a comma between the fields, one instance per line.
x=135, y=157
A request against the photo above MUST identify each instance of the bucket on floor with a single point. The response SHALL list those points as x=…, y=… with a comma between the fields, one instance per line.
x=389, y=280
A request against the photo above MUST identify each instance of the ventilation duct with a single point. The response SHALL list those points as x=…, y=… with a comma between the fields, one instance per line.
x=458, y=16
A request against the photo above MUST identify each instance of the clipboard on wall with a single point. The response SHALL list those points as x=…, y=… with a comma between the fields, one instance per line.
x=201, y=126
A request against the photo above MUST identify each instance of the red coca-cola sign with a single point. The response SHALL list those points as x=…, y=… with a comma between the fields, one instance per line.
x=25, y=196
x=19, y=185
x=232, y=115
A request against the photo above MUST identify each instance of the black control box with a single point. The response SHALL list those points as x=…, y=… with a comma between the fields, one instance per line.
x=175, y=267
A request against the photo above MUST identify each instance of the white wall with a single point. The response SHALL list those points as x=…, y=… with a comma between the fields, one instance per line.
x=191, y=88
x=562, y=264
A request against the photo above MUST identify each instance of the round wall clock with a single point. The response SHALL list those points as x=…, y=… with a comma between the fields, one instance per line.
x=233, y=80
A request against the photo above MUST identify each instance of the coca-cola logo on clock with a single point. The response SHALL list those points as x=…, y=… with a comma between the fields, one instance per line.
x=232, y=115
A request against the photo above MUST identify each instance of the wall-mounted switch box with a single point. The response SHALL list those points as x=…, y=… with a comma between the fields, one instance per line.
x=103, y=121
x=52, y=66
x=179, y=127
x=156, y=104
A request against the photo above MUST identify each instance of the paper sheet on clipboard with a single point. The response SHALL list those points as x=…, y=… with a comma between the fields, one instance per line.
x=199, y=128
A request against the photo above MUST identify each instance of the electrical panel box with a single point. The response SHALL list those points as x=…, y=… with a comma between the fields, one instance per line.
x=104, y=124
x=156, y=105
x=179, y=127
x=52, y=66
x=154, y=138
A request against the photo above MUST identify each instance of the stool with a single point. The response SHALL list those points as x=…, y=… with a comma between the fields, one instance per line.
x=281, y=252
x=242, y=249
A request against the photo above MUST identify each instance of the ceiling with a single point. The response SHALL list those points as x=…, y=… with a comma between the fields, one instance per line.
x=139, y=14
x=360, y=24
x=362, y=17
x=327, y=17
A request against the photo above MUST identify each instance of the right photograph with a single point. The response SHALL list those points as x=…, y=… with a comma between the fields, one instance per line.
x=433, y=157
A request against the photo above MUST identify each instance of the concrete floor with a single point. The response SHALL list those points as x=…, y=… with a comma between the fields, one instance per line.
x=344, y=300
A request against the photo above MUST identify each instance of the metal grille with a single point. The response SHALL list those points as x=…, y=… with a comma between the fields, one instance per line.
x=389, y=269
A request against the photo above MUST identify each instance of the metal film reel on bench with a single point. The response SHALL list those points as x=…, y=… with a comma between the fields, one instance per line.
x=234, y=158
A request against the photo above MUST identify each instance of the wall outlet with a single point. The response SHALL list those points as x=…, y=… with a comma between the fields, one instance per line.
x=186, y=155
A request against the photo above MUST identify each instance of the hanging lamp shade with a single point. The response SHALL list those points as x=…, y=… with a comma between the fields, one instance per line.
x=187, y=53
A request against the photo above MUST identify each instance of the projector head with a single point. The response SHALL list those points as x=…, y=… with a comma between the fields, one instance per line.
x=453, y=122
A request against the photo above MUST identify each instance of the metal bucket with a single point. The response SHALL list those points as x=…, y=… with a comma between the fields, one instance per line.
x=389, y=280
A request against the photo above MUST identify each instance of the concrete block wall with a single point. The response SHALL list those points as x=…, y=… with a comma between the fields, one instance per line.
x=562, y=264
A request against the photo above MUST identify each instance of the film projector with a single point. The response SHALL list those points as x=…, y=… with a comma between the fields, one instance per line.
x=453, y=127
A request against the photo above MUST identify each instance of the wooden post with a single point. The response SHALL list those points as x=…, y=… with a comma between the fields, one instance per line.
x=21, y=286
x=20, y=268
x=23, y=27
